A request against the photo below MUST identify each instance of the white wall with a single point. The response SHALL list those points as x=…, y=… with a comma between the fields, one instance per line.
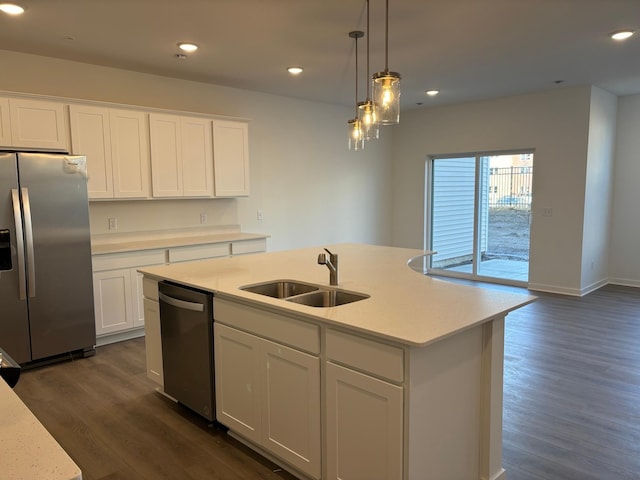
x=554, y=123
x=311, y=189
x=598, y=190
x=624, y=257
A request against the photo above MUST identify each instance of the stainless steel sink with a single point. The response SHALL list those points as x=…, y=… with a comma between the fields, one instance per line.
x=280, y=288
x=328, y=298
x=304, y=293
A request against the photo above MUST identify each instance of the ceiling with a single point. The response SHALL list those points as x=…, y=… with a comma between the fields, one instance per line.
x=468, y=49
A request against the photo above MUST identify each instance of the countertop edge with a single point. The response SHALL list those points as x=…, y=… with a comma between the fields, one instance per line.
x=172, y=242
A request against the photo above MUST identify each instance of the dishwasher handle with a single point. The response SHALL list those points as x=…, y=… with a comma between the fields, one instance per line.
x=194, y=306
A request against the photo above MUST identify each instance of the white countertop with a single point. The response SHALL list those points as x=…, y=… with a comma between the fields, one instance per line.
x=105, y=244
x=28, y=449
x=404, y=306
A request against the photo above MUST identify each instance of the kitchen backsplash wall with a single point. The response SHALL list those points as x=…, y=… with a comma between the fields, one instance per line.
x=150, y=215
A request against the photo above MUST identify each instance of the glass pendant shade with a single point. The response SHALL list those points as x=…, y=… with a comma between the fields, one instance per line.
x=370, y=130
x=356, y=138
x=386, y=97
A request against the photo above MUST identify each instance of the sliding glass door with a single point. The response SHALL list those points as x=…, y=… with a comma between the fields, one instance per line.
x=479, y=210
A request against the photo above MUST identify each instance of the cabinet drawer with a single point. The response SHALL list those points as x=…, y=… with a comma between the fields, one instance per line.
x=139, y=258
x=249, y=246
x=281, y=328
x=376, y=358
x=198, y=252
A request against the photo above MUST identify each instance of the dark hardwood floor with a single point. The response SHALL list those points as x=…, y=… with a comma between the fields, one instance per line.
x=108, y=417
x=572, y=387
x=571, y=403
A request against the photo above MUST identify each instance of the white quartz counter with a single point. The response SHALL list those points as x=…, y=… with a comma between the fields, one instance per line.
x=28, y=449
x=404, y=306
x=105, y=244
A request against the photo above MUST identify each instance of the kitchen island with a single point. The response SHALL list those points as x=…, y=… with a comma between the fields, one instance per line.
x=404, y=384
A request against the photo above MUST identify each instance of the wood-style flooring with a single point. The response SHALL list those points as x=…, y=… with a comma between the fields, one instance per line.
x=571, y=403
x=572, y=388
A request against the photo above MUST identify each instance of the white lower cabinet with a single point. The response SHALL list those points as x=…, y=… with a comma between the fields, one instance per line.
x=364, y=396
x=153, y=340
x=113, y=299
x=238, y=398
x=118, y=300
x=118, y=293
x=291, y=406
x=269, y=394
x=364, y=426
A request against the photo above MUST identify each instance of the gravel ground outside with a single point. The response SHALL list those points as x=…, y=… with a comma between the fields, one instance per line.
x=508, y=234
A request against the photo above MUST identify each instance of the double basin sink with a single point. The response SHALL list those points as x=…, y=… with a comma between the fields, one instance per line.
x=305, y=293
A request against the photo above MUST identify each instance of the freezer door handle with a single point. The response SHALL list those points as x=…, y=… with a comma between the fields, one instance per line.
x=28, y=233
x=15, y=197
x=196, y=307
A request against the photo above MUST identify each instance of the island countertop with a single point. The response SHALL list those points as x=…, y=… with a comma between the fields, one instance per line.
x=28, y=449
x=404, y=306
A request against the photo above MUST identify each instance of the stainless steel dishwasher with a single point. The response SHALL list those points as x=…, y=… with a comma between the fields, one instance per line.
x=186, y=322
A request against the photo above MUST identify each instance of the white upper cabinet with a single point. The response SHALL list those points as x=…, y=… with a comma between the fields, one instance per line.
x=33, y=124
x=5, y=124
x=91, y=136
x=181, y=156
x=116, y=144
x=231, y=158
x=130, y=153
x=135, y=153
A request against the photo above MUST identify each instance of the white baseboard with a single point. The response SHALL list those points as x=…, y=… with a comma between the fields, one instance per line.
x=625, y=282
x=119, y=337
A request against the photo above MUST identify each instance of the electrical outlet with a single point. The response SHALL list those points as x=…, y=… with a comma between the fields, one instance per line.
x=260, y=215
x=203, y=218
x=113, y=224
x=547, y=212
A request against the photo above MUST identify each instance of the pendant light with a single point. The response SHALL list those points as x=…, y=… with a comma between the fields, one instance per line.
x=386, y=87
x=356, y=137
x=370, y=128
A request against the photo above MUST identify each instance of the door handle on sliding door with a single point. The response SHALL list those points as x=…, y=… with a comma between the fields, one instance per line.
x=28, y=233
x=17, y=216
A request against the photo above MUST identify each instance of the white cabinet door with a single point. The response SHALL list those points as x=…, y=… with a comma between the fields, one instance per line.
x=130, y=153
x=5, y=123
x=91, y=136
x=237, y=378
x=364, y=426
x=291, y=406
x=38, y=124
x=231, y=158
x=166, y=155
x=153, y=341
x=197, y=157
x=181, y=156
x=113, y=300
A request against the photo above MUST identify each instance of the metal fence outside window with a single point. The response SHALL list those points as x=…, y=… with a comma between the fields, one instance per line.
x=510, y=187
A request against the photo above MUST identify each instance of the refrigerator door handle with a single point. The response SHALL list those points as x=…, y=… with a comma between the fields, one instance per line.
x=15, y=197
x=28, y=233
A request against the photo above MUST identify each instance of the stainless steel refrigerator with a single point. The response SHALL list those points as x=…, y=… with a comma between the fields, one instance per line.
x=46, y=281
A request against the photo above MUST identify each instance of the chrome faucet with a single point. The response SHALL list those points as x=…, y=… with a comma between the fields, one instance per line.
x=332, y=265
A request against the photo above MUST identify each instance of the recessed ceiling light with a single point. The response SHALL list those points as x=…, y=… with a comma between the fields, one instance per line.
x=294, y=70
x=188, y=47
x=11, y=8
x=621, y=34
x=432, y=93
